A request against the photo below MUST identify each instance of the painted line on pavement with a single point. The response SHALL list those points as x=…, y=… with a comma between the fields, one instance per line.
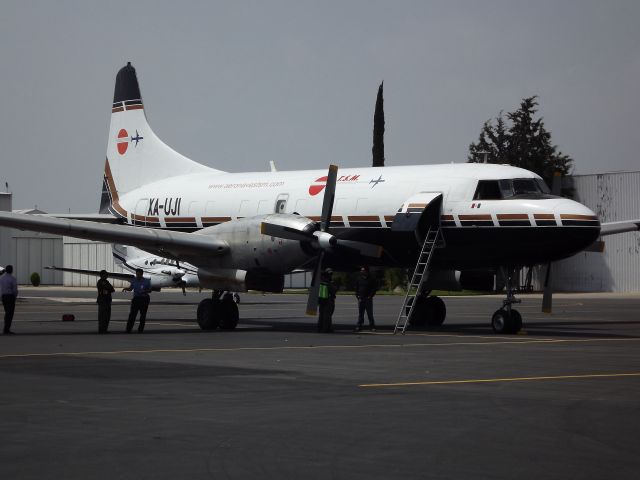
x=310, y=347
x=498, y=380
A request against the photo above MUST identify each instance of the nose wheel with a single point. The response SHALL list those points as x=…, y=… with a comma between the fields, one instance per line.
x=506, y=319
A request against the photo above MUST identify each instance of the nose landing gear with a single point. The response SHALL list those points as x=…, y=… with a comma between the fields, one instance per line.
x=506, y=319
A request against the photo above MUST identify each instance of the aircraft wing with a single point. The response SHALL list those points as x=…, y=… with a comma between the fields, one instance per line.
x=90, y=217
x=120, y=276
x=611, y=228
x=166, y=243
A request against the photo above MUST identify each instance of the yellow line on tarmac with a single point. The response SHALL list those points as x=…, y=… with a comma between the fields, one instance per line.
x=497, y=380
x=312, y=347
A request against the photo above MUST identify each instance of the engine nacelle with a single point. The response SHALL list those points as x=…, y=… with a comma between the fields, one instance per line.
x=235, y=280
x=251, y=250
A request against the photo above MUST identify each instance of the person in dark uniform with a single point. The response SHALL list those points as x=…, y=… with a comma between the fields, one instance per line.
x=9, y=291
x=366, y=288
x=105, y=289
x=326, y=301
x=140, y=302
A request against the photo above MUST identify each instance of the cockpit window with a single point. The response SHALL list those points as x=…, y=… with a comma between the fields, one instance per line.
x=543, y=186
x=488, y=190
x=522, y=186
x=506, y=188
x=509, y=188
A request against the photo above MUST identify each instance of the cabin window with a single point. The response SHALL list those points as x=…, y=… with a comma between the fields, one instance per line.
x=280, y=205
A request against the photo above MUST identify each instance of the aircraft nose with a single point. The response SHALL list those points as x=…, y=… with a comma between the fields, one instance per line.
x=579, y=222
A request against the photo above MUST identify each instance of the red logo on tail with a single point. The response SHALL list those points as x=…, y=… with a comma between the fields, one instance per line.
x=123, y=141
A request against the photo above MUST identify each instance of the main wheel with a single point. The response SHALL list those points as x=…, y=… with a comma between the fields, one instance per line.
x=229, y=314
x=418, y=317
x=428, y=311
x=502, y=322
x=208, y=317
x=436, y=311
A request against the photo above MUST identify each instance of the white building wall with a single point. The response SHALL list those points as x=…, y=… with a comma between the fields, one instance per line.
x=32, y=252
x=88, y=255
x=614, y=197
x=6, y=244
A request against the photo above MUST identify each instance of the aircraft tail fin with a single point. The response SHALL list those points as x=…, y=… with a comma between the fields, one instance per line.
x=135, y=155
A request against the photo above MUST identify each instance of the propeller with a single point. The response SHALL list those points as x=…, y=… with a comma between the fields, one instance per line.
x=325, y=240
x=320, y=238
x=547, y=296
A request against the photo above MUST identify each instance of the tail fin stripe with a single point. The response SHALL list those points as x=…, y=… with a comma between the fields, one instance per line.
x=113, y=193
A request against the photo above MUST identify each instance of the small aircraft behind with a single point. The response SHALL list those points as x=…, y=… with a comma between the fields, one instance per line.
x=162, y=272
x=454, y=225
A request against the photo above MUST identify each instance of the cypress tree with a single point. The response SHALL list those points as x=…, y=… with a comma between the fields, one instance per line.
x=378, y=130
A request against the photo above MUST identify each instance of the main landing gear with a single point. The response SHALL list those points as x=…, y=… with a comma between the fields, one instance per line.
x=507, y=319
x=429, y=310
x=220, y=310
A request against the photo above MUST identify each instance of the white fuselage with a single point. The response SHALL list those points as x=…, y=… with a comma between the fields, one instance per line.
x=367, y=201
x=199, y=200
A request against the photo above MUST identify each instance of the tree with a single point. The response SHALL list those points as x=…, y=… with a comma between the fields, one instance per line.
x=378, y=130
x=525, y=143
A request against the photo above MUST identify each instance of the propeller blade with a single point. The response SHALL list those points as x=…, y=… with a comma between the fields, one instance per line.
x=314, y=290
x=329, y=197
x=365, y=249
x=280, y=231
x=548, y=290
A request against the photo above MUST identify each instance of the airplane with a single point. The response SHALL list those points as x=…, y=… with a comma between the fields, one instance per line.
x=162, y=272
x=137, y=138
x=245, y=231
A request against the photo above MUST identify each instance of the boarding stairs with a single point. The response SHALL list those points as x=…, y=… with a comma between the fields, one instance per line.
x=420, y=274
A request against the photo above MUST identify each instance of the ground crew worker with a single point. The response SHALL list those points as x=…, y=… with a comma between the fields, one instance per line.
x=105, y=289
x=140, y=302
x=9, y=292
x=326, y=301
x=366, y=288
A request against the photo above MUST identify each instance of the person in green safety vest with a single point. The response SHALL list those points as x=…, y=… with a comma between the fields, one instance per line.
x=326, y=301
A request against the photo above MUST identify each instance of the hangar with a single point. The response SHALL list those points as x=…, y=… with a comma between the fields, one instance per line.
x=613, y=196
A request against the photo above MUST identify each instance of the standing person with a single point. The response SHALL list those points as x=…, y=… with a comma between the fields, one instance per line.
x=366, y=288
x=105, y=289
x=9, y=291
x=140, y=302
x=326, y=301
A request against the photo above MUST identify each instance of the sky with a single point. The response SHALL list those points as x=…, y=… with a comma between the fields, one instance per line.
x=236, y=84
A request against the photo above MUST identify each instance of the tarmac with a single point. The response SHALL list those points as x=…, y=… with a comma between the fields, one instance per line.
x=275, y=399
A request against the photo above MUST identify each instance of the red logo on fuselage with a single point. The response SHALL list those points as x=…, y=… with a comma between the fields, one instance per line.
x=317, y=186
x=123, y=141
